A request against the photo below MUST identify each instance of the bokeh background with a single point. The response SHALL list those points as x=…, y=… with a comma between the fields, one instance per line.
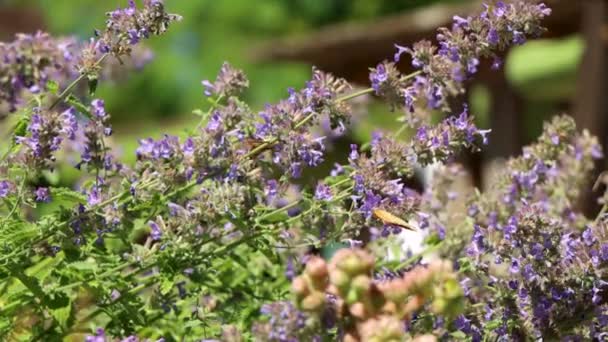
x=277, y=41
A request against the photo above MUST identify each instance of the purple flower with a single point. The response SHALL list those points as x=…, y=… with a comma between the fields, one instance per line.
x=378, y=77
x=604, y=252
x=323, y=192
x=43, y=195
x=476, y=246
x=514, y=266
x=598, y=291
x=400, y=51
x=500, y=9
x=271, y=189
x=208, y=87
x=156, y=233
x=337, y=170
x=5, y=188
x=354, y=152
x=100, y=336
x=588, y=236
x=98, y=108
x=460, y=22
x=94, y=197
x=69, y=123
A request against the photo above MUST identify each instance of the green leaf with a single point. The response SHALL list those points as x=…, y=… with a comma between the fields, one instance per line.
x=276, y=217
x=89, y=266
x=93, y=82
x=491, y=325
x=198, y=112
x=52, y=87
x=166, y=285
x=21, y=127
x=63, y=315
x=459, y=335
x=68, y=195
x=80, y=107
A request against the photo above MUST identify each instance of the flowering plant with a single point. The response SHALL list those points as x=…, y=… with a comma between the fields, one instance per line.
x=204, y=236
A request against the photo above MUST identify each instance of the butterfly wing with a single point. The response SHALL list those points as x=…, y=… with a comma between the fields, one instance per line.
x=390, y=219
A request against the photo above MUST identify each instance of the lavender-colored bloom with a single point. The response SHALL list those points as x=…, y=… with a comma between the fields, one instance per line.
x=588, y=236
x=378, y=77
x=100, y=336
x=354, y=152
x=43, y=195
x=114, y=295
x=446, y=67
x=477, y=242
x=460, y=22
x=400, y=51
x=133, y=36
x=5, y=188
x=156, y=233
x=94, y=197
x=229, y=82
x=515, y=266
x=290, y=271
x=271, y=190
x=337, y=170
x=98, y=108
x=604, y=252
x=323, y=192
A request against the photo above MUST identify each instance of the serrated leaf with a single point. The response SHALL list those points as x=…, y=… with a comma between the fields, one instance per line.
x=65, y=194
x=192, y=324
x=63, y=315
x=166, y=285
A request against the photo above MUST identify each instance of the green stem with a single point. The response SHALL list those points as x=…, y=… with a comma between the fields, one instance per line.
x=74, y=83
x=355, y=94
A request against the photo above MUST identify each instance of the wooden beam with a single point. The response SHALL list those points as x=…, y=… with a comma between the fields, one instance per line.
x=347, y=50
x=591, y=103
x=19, y=20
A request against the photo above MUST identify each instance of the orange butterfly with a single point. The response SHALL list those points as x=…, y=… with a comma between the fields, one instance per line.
x=390, y=219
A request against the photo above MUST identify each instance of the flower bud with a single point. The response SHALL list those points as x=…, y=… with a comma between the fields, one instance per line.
x=299, y=287
x=358, y=310
x=313, y=302
x=316, y=268
x=382, y=329
x=361, y=284
x=339, y=279
x=425, y=338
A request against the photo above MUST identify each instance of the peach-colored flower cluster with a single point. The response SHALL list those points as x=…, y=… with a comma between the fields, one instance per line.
x=370, y=310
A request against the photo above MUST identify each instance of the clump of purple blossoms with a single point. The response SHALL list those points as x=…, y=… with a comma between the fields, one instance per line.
x=284, y=323
x=210, y=214
x=28, y=63
x=125, y=28
x=229, y=82
x=542, y=260
x=32, y=60
x=95, y=153
x=446, y=67
x=45, y=133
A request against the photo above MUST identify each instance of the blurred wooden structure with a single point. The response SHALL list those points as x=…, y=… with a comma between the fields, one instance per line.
x=21, y=19
x=348, y=50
